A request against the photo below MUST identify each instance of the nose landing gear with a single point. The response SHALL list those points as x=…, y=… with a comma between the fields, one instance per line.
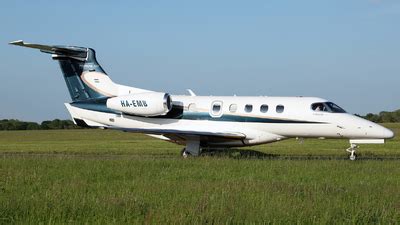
x=352, y=151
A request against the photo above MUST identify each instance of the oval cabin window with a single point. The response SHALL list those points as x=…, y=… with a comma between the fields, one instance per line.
x=216, y=109
x=192, y=107
x=280, y=108
x=248, y=108
x=264, y=108
x=233, y=108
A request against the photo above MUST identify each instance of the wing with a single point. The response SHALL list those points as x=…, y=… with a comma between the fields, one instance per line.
x=180, y=136
x=229, y=135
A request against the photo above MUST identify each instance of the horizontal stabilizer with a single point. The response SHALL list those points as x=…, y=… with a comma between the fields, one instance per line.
x=69, y=51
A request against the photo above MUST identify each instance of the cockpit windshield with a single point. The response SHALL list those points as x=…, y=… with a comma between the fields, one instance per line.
x=327, y=107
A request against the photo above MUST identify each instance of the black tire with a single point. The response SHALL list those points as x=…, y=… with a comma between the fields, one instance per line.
x=185, y=154
x=183, y=151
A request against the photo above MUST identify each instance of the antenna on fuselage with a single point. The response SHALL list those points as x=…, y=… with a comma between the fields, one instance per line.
x=191, y=92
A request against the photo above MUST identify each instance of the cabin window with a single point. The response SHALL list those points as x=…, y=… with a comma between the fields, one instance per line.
x=280, y=108
x=233, y=108
x=264, y=108
x=192, y=107
x=248, y=108
x=216, y=109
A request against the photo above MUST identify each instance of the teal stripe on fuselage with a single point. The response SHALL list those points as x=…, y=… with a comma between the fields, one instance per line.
x=100, y=106
x=237, y=118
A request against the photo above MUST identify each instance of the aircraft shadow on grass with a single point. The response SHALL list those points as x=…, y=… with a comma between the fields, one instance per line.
x=237, y=153
x=254, y=154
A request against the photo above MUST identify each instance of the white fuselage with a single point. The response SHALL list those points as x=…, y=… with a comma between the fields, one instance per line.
x=247, y=116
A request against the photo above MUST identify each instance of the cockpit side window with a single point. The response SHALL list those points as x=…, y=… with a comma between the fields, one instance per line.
x=327, y=107
x=335, y=108
x=319, y=107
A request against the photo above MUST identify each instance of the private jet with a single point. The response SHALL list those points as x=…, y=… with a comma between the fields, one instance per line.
x=200, y=122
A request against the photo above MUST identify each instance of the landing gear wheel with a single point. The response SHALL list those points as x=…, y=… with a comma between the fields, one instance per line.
x=185, y=154
x=353, y=157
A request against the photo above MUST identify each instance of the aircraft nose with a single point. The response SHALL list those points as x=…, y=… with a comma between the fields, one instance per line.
x=375, y=130
x=387, y=134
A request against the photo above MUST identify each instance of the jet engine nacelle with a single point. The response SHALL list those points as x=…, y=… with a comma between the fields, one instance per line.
x=142, y=104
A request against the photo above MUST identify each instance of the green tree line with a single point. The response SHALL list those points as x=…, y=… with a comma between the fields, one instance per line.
x=384, y=117
x=12, y=124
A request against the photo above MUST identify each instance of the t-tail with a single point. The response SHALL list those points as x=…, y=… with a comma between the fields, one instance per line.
x=85, y=78
x=87, y=82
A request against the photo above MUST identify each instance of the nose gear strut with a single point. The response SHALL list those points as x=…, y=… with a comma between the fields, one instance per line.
x=352, y=151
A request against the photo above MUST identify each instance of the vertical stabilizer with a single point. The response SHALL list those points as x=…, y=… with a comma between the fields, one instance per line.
x=85, y=78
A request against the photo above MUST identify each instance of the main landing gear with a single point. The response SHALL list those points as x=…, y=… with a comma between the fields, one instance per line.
x=352, y=151
x=185, y=154
x=192, y=148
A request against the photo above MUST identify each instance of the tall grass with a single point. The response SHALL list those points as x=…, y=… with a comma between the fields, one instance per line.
x=92, y=176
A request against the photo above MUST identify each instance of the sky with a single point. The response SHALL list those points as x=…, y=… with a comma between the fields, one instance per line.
x=347, y=51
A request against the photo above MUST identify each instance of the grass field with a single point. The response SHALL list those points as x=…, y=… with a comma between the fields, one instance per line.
x=101, y=176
